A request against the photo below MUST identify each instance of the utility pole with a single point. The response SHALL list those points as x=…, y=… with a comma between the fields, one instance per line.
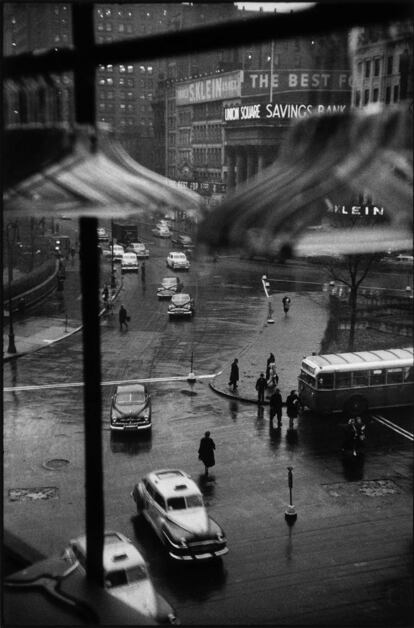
x=272, y=53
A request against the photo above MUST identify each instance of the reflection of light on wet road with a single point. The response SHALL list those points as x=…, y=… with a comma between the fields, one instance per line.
x=393, y=426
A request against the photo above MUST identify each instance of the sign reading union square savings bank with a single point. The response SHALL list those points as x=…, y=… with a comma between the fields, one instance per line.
x=220, y=87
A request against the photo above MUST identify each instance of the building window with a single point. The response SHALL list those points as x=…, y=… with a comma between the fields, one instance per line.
x=377, y=64
x=367, y=68
x=100, y=26
x=121, y=28
x=130, y=69
x=396, y=93
x=375, y=95
x=388, y=95
x=129, y=28
x=109, y=81
x=122, y=95
x=359, y=68
x=108, y=27
x=109, y=68
x=130, y=82
x=366, y=96
x=389, y=65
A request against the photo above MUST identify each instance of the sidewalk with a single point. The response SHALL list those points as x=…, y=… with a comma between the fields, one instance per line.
x=289, y=338
x=56, y=318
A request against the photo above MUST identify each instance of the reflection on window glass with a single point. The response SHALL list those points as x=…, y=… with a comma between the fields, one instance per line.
x=360, y=378
x=394, y=376
x=343, y=380
x=377, y=377
x=194, y=501
x=409, y=374
x=325, y=380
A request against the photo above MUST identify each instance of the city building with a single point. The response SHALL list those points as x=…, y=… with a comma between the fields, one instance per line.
x=382, y=65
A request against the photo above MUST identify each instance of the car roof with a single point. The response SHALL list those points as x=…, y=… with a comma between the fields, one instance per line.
x=169, y=280
x=173, y=482
x=118, y=553
x=129, y=254
x=181, y=296
x=177, y=253
x=129, y=388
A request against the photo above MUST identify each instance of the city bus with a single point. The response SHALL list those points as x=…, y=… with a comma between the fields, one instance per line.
x=354, y=383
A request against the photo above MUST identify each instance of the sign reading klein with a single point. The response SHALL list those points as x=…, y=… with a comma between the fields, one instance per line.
x=222, y=86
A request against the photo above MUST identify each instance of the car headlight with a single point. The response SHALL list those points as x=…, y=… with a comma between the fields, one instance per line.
x=183, y=542
x=220, y=536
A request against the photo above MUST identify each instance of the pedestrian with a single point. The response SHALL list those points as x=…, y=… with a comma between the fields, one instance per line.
x=234, y=374
x=286, y=304
x=273, y=377
x=206, y=452
x=72, y=254
x=261, y=386
x=270, y=360
x=143, y=271
x=276, y=405
x=292, y=406
x=123, y=318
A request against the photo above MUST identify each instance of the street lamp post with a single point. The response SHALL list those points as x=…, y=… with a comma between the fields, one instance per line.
x=12, y=225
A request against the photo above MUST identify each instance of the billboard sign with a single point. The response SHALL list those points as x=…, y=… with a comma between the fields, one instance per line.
x=258, y=82
x=276, y=111
x=216, y=87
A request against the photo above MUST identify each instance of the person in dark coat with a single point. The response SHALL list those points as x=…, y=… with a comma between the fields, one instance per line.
x=292, y=405
x=206, y=452
x=261, y=386
x=234, y=374
x=276, y=405
x=286, y=304
x=123, y=318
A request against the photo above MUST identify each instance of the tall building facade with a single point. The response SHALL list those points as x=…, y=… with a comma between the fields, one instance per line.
x=383, y=65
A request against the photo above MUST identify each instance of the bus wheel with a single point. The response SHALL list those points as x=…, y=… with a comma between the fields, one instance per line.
x=355, y=406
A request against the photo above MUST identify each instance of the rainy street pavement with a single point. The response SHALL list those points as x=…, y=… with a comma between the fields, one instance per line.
x=346, y=560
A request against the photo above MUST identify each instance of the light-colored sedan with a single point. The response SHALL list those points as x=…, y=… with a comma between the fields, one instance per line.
x=173, y=505
x=162, y=232
x=138, y=248
x=178, y=261
x=126, y=576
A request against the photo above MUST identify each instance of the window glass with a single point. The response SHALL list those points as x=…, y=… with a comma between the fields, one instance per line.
x=409, y=374
x=176, y=503
x=343, y=380
x=159, y=500
x=360, y=378
x=138, y=572
x=116, y=578
x=194, y=501
x=325, y=380
x=394, y=376
x=377, y=377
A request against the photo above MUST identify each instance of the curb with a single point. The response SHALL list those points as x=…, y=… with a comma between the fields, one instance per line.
x=229, y=395
x=11, y=356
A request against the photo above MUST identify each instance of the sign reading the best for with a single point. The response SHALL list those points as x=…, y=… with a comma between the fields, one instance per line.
x=260, y=81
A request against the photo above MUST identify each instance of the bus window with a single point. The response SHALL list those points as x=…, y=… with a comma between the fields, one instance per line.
x=394, y=376
x=308, y=379
x=343, y=380
x=378, y=377
x=409, y=374
x=326, y=380
x=360, y=378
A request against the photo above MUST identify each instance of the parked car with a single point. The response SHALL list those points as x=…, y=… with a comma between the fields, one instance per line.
x=129, y=263
x=138, y=248
x=173, y=505
x=185, y=242
x=399, y=260
x=126, y=576
x=181, y=305
x=102, y=234
x=118, y=252
x=168, y=287
x=162, y=232
x=177, y=261
x=131, y=408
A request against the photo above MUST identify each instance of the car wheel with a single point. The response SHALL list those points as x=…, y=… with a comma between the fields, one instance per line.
x=355, y=406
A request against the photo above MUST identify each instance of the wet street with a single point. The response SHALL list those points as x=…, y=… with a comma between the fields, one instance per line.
x=273, y=573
